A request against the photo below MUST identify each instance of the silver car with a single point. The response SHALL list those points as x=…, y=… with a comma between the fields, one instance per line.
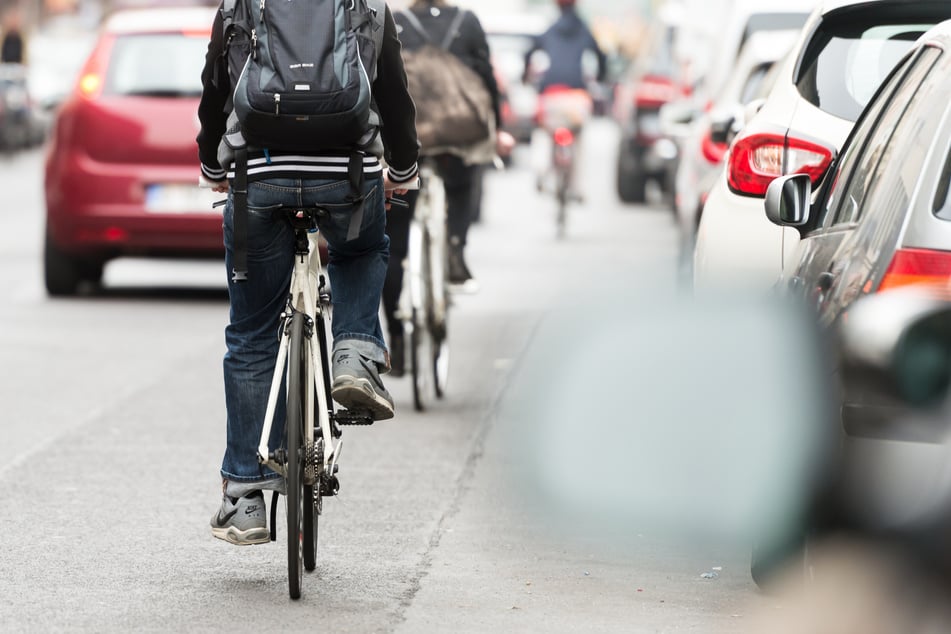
x=882, y=218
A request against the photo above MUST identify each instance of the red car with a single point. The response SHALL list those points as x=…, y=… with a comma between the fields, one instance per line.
x=122, y=164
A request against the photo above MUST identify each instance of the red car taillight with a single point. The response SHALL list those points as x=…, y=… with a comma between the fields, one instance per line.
x=654, y=91
x=917, y=266
x=712, y=151
x=757, y=159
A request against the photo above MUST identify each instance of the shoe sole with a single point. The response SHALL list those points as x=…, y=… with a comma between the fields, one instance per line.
x=358, y=395
x=238, y=537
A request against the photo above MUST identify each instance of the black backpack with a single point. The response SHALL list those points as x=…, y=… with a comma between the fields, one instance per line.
x=301, y=71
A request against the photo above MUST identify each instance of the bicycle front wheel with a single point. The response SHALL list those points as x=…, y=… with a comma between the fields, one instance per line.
x=296, y=455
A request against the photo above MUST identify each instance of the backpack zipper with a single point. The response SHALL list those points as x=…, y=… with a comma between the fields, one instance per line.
x=277, y=103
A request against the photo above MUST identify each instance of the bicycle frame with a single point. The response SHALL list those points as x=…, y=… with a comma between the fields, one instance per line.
x=304, y=299
x=427, y=228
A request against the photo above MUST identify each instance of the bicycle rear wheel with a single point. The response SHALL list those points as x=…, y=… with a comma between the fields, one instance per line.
x=418, y=340
x=562, y=197
x=440, y=363
x=313, y=492
x=296, y=454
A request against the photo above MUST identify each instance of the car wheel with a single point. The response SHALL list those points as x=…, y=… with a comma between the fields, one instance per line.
x=63, y=273
x=631, y=182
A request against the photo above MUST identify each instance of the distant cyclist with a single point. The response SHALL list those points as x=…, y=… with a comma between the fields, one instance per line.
x=564, y=100
x=565, y=43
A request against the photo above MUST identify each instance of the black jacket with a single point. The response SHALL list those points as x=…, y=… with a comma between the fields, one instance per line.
x=391, y=100
x=470, y=45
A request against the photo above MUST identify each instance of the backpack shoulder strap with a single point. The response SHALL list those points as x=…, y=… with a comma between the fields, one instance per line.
x=454, y=28
x=377, y=22
x=415, y=24
x=227, y=12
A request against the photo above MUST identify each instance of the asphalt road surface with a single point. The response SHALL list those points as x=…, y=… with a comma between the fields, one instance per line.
x=112, y=428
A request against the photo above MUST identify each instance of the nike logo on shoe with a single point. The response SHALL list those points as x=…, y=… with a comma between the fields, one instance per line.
x=222, y=520
x=251, y=509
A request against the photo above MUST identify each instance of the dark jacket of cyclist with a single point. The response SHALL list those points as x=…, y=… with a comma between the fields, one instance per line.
x=565, y=43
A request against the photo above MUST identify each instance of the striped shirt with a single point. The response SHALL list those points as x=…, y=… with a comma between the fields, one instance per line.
x=263, y=165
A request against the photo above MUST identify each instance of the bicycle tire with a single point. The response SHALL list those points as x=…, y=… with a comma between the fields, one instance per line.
x=294, y=428
x=440, y=364
x=421, y=321
x=416, y=355
x=562, y=197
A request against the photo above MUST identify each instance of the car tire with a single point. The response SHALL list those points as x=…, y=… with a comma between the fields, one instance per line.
x=63, y=273
x=631, y=181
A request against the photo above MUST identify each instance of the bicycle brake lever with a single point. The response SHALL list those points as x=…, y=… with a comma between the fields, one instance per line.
x=399, y=202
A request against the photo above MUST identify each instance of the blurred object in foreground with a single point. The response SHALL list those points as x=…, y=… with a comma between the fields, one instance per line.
x=694, y=419
x=878, y=558
x=897, y=344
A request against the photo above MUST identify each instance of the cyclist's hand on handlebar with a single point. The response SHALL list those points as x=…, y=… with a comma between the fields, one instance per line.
x=215, y=186
x=504, y=143
x=389, y=188
x=392, y=188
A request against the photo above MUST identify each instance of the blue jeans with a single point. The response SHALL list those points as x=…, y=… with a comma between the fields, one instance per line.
x=357, y=270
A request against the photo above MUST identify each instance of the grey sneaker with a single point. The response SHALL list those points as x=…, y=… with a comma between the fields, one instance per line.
x=357, y=385
x=242, y=520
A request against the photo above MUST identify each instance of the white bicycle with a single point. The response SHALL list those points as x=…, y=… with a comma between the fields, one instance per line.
x=424, y=299
x=307, y=458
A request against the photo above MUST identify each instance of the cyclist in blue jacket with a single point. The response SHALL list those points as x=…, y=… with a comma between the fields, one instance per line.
x=565, y=43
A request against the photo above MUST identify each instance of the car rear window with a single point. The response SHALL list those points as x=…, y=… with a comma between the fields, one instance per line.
x=156, y=65
x=771, y=22
x=847, y=60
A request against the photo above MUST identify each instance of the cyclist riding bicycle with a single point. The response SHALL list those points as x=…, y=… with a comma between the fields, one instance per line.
x=310, y=176
x=565, y=44
x=563, y=84
x=431, y=21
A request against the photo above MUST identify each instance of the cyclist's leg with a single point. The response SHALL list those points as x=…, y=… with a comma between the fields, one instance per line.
x=249, y=362
x=359, y=254
x=459, y=181
x=397, y=228
x=575, y=186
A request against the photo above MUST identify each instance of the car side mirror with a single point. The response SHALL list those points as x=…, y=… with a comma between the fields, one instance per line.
x=898, y=342
x=676, y=115
x=722, y=129
x=788, y=199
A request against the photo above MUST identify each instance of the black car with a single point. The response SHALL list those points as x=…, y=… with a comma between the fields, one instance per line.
x=882, y=218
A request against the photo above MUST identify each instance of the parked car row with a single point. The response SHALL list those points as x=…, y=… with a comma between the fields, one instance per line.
x=823, y=173
x=843, y=54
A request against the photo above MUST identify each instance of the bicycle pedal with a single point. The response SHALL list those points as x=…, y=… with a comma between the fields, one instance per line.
x=348, y=417
x=331, y=487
